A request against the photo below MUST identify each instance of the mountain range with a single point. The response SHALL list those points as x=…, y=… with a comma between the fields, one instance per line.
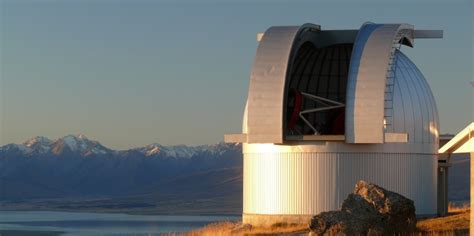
x=80, y=145
x=76, y=173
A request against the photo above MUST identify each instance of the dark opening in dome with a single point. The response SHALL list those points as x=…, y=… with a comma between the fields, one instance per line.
x=320, y=72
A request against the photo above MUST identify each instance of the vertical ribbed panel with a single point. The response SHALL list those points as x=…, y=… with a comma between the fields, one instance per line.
x=310, y=183
x=414, y=108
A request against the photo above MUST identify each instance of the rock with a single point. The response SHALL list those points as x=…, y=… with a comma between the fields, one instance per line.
x=399, y=210
x=369, y=210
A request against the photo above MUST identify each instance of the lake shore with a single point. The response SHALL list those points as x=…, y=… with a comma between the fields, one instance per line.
x=45, y=223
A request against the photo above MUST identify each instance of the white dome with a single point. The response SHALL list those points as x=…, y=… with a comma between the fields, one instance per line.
x=384, y=130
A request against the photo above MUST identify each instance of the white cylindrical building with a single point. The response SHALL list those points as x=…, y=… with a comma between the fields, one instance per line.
x=327, y=108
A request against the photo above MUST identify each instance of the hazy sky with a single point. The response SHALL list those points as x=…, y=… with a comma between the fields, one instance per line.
x=129, y=73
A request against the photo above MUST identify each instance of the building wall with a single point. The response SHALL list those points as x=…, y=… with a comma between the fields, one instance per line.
x=307, y=183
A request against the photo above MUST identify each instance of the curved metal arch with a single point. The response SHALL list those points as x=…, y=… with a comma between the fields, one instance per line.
x=271, y=68
x=371, y=60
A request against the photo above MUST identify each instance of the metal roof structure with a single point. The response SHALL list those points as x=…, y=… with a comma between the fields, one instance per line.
x=463, y=142
x=365, y=73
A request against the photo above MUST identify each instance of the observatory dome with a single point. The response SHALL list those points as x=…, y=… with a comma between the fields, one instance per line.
x=327, y=108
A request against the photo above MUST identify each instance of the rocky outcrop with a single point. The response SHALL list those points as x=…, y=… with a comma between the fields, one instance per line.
x=368, y=210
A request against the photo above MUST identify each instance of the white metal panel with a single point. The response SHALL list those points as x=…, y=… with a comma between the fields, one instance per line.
x=407, y=105
x=424, y=111
x=267, y=83
x=282, y=183
x=398, y=119
x=434, y=119
x=433, y=122
x=423, y=98
x=414, y=108
x=370, y=61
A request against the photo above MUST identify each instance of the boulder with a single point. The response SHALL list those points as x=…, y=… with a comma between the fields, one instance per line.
x=368, y=210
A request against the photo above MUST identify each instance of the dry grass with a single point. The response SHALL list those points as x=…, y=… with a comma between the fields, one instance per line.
x=236, y=228
x=455, y=208
x=218, y=229
x=455, y=223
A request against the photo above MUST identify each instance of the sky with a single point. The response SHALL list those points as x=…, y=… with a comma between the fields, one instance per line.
x=131, y=73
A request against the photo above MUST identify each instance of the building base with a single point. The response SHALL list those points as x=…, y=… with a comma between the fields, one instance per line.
x=262, y=220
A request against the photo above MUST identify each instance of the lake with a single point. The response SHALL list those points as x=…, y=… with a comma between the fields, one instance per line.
x=44, y=223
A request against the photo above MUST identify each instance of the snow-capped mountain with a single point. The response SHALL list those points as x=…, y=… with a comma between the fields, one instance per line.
x=80, y=145
x=35, y=146
x=156, y=149
x=183, y=151
x=38, y=142
x=67, y=145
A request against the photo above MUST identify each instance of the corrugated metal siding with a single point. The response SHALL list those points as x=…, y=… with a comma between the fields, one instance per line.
x=309, y=183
